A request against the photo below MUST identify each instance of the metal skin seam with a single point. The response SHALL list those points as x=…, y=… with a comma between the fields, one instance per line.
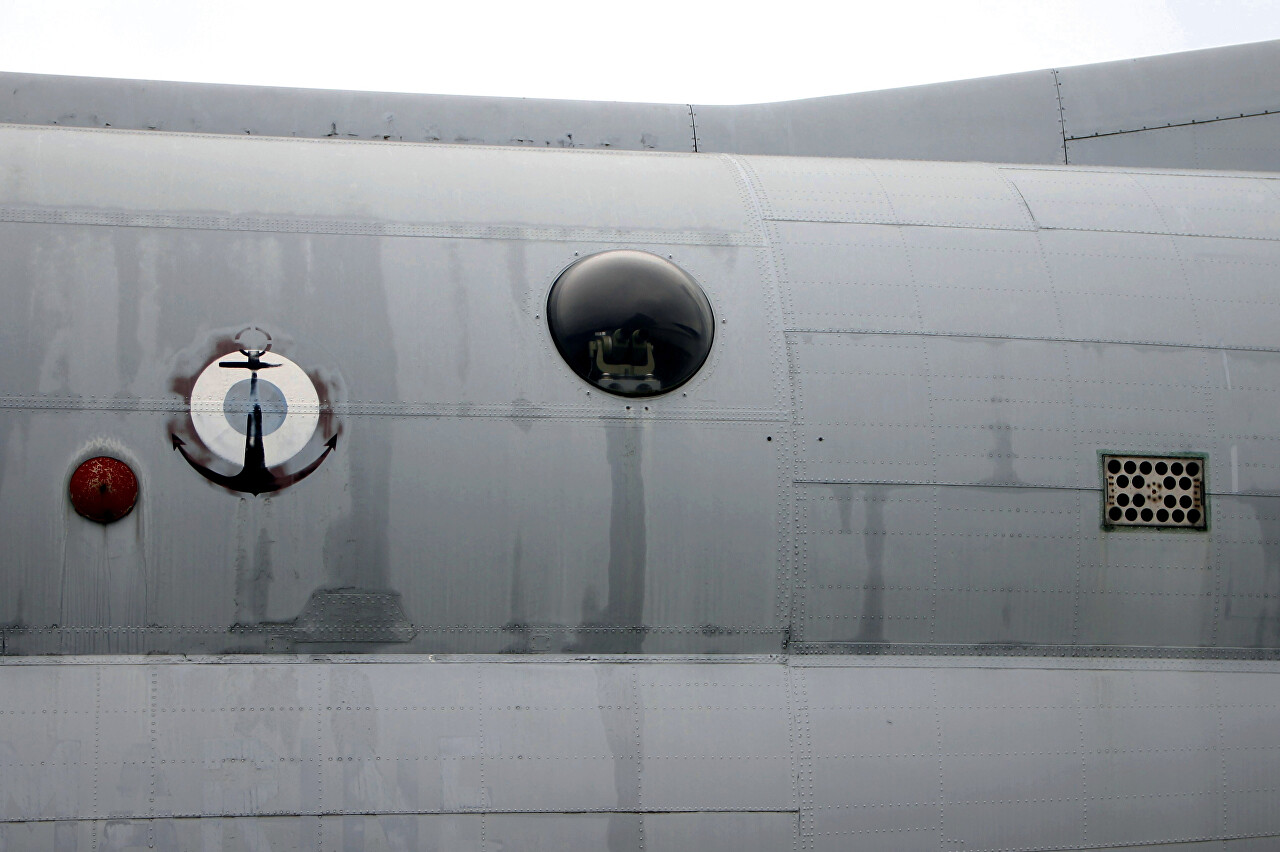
x=1192, y=123
x=1062, y=120
x=787, y=575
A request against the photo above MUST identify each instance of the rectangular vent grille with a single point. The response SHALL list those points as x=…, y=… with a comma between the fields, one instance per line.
x=1154, y=491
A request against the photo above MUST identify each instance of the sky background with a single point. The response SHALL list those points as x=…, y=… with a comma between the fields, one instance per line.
x=624, y=50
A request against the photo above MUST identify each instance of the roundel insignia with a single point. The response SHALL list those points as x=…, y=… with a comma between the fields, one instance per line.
x=229, y=389
x=256, y=410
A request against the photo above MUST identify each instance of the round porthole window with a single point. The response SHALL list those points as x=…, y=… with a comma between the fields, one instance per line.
x=630, y=322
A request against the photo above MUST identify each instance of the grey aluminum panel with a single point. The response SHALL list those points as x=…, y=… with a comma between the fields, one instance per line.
x=1151, y=202
x=1263, y=843
x=1246, y=208
x=943, y=280
x=864, y=277
x=720, y=832
x=422, y=326
x=1249, y=755
x=714, y=832
x=881, y=408
x=1121, y=286
x=346, y=753
x=924, y=409
x=1135, y=771
x=1118, y=404
x=844, y=276
x=1044, y=117
x=866, y=392
x=955, y=195
x=968, y=758
x=1074, y=284
x=413, y=349
x=665, y=526
x=1248, y=533
x=1234, y=283
x=540, y=833
x=1145, y=589
x=315, y=113
x=450, y=302
x=1093, y=200
x=713, y=738
x=356, y=187
x=1012, y=118
x=983, y=283
x=991, y=744
x=1240, y=143
x=658, y=561
x=271, y=738
x=573, y=571
x=1178, y=88
x=883, y=564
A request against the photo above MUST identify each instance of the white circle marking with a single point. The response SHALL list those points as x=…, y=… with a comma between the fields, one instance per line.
x=208, y=400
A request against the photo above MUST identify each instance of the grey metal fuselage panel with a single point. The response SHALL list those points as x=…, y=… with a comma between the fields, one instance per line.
x=1205, y=109
x=847, y=588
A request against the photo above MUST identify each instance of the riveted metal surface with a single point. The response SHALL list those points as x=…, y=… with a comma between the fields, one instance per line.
x=316, y=753
x=192, y=741
x=1243, y=206
x=1247, y=532
x=953, y=756
x=958, y=281
x=315, y=113
x=938, y=394
x=109, y=171
x=889, y=192
x=920, y=409
x=1099, y=276
x=1235, y=143
x=907, y=564
x=885, y=564
x=714, y=739
x=1238, y=309
x=442, y=342
x=1125, y=287
x=558, y=594
x=951, y=403
x=891, y=454
x=1149, y=92
x=428, y=309
x=1203, y=109
x=1011, y=118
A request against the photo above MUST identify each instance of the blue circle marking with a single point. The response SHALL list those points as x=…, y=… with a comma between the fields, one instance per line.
x=237, y=406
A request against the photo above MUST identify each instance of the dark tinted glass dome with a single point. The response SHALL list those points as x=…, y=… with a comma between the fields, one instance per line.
x=630, y=322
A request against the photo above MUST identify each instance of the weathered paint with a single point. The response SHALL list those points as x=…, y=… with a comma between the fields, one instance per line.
x=885, y=476
x=1206, y=109
x=893, y=443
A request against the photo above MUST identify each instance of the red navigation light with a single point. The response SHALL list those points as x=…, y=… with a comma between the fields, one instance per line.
x=103, y=489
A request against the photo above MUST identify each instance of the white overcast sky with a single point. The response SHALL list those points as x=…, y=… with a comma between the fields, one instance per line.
x=625, y=50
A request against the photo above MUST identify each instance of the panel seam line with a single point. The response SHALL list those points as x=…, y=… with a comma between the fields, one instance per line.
x=1168, y=125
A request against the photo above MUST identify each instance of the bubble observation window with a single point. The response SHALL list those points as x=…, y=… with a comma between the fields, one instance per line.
x=630, y=322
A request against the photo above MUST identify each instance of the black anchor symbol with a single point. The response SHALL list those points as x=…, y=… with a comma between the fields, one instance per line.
x=254, y=476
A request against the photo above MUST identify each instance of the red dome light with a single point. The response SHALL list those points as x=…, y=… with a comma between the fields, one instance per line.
x=103, y=489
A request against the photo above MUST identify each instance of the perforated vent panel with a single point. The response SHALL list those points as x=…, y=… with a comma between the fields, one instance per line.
x=1154, y=491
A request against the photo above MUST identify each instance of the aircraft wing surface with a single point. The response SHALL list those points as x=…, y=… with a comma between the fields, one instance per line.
x=1209, y=109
